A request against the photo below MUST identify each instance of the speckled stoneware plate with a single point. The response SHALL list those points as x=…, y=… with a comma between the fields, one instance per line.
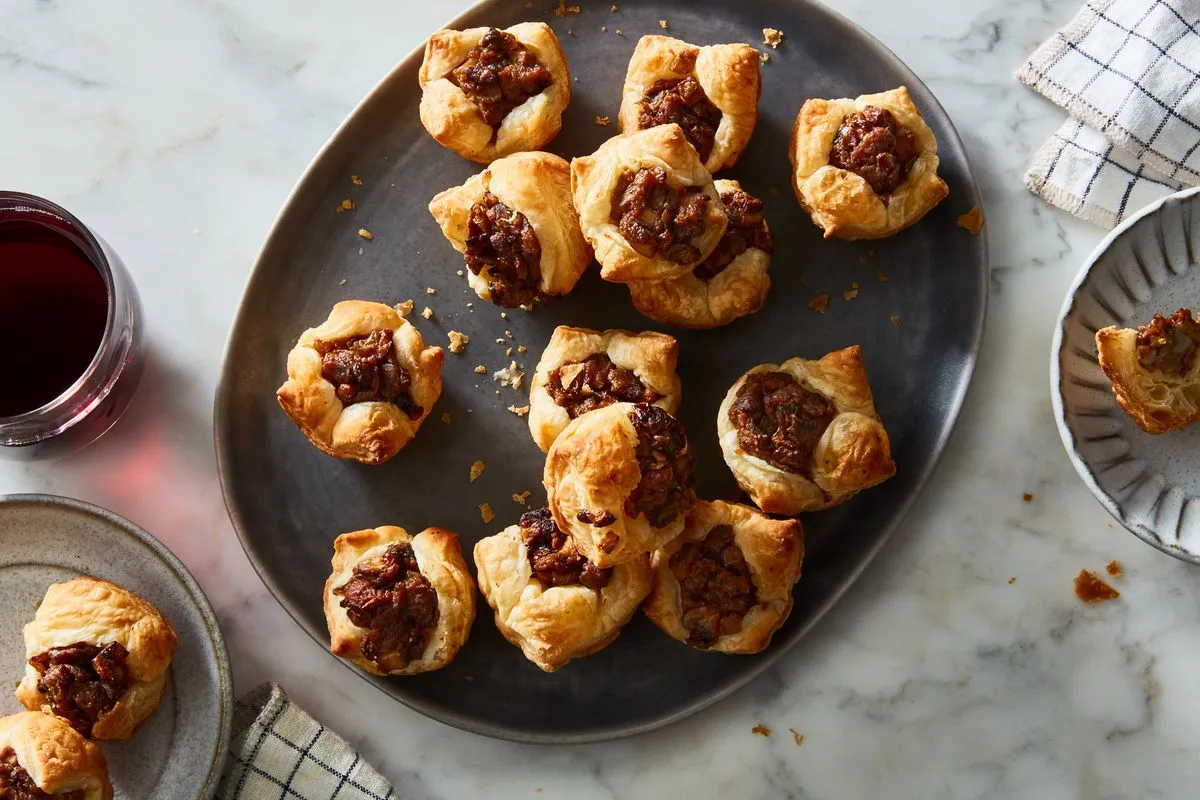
x=180, y=752
x=1149, y=483
x=288, y=501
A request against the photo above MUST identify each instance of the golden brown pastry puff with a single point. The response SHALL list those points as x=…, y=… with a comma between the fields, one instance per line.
x=93, y=639
x=1154, y=371
x=43, y=756
x=732, y=282
x=517, y=228
x=647, y=205
x=865, y=168
x=582, y=370
x=361, y=383
x=486, y=93
x=619, y=481
x=398, y=604
x=549, y=600
x=804, y=435
x=711, y=92
x=726, y=583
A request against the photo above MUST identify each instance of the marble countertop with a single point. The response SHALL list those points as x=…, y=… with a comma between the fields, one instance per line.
x=960, y=665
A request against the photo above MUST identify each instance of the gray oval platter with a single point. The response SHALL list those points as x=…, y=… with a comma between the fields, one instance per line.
x=288, y=501
x=43, y=539
x=1148, y=483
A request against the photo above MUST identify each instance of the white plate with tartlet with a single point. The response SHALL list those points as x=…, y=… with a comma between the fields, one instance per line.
x=1149, y=483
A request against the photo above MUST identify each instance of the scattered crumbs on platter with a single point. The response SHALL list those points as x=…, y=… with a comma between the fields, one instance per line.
x=852, y=292
x=404, y=307
x=1012, y=580
x=346, y=205
x=480, y=369
x=520, y=411
x=972, y=221
x=1027, y=497
x=881, y=276
x=508, y=352
x=509, y=376
x=761, y=730
x=445, y=417
x=458, y=341
x=430, y=290
x=602, y=122
x=614, y=8
x=508, y=334
x=477, y=468
x=342, y=282
x=486, y=513
x=797, y=736
x=360, y=251
x=764, y=56
x=619, y=33
x=459, y=273
x=503, y=315
x=521, y=348
x=357, y=181
x=366, y=234
x=662, y=23
x=772, y=37
x=1114, y=569
x=564, y=9
x=521, y=498
x=500, y=341
x=895, y=318
x=819, y=303
x=427, y=312
x=604, y=29
x=1091, y=589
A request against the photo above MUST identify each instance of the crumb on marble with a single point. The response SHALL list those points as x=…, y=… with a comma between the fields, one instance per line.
x=972, y=221
x=1012, y=580
x=509, y=376
x=564, y=9
x=357, y=181
x=1114, y=569
x=1027, y=497
x=895, y=318
x=761, y=730
x=366, y=234
x=458, y=341
x=346, y=205
x=477, y=468
x=772, y=37
x=520, y=411
x=602, y=122
x=445, y=417
x=1091, y=589
x=486, y=513
x=404, y=307
x=521, y=498
x=480, y=369
x=852, y=292
x=797, y=736
x=881, y=276
x=819, y=303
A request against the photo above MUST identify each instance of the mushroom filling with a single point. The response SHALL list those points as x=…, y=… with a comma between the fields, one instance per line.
x=82, y=681
x=780, y=421
x=365, y=369
x=871, y=143
x=503, y=248
x=1168, y=344
x=657, y=218
x=664, y=491
x=746, y=229
x=594, y=383
x=683, y=102
x=715, y=586
x=553, y=558
x=499, y=74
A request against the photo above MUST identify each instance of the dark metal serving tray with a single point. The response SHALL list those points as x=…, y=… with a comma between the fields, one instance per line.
x=288, y=501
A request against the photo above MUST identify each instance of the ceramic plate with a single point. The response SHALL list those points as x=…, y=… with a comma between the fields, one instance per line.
x=43, y=540
x=1149, y=483
x=288, y=501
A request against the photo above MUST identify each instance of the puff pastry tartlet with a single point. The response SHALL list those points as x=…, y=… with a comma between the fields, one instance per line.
x=619, y=481
x=43, y=756
x=804, y=435
x=865, y=168
x=549, y=600
x=711, y=92
x=516, y=227
x=726, y=583
x=1154, y=370
x=647, y=205
x=582, y=370
x=361, y=383
x=486, y=93
x=398, y=604
x=732, y=282
x=98, y=656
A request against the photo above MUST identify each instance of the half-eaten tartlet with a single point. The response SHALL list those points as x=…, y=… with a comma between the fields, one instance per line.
x=98, y=656
x=517, y=229
x=487, y=93
x=41, y=756
x=619, y=481
x=710, y=92
x=725, y=584
x=549, y=600
x=865, y=168
x=398, y=604
x=361, y=383
x=804, y=435
x=582, y=370
x=1154, y=370
x=731, y=283
x=647, y=205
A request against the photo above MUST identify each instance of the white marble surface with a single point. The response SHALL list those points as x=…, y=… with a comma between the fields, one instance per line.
x=177, y=128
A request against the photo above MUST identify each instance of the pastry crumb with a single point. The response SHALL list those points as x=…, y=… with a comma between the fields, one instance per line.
x=1114, y=568
x=508, y=351
x=881, y=276
x=357, y=181
x=503, y=315
x=360, y=251
x=366, y=234
x=485, y=513
x=602, y=122
x=1090, y=589
x=521, y=348
x=521, y=498
x=852, y=292
x=459, y=273
x=895, y=318
x=1012, y=580
x=772, y=37
x=619, y=32
x=564, y=9
x=480, y=369
x=614, y=8
x=430, y=290
x=458, y=341
x=763, y=56
x=819, y=303
x=797, y=736
x=1027, y=497
x=508, y=334
x=520, y=411
x=427, y=312
x=604, y=29
x=404, y=307
x=342, y=282
x=445, y=417
x=346, y=205
x=761, y=730
x=500, y=341
x=477, y=468
x=509, y=376
x=662, y=23
x=972, y=221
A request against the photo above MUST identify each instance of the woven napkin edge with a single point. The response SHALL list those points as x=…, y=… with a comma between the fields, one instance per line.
x=1036, y=182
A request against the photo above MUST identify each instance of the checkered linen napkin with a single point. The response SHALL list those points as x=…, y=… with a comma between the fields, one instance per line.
x=281, y=753
x=1128, y=72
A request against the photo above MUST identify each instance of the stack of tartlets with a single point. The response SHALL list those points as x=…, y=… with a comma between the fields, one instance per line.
x=622, y=527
